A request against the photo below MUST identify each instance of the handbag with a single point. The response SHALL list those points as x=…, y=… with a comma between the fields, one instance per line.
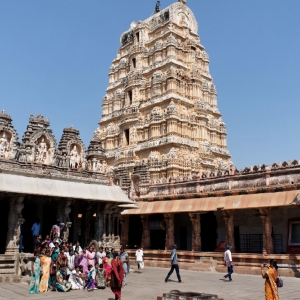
x=279, y=282
x=141, y=265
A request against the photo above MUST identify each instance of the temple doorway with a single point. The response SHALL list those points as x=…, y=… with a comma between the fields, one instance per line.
x=29, y=214
x=157, y=228
x=135, y=232
x=209, y=235
x=183, y=231
x=3, y=224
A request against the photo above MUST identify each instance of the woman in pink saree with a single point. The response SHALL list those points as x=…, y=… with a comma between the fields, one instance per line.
x=90, y=255
x=84, y=261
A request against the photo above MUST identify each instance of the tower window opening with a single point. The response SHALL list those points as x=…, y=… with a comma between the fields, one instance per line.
x=130, y=97
x=126, y=133
x=137, y=37
x=134, y=63
x=193, y=48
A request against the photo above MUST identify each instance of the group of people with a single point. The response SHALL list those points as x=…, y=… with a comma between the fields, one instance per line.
x=61, y=266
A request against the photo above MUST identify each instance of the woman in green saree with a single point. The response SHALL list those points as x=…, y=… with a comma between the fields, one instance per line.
x=35, y=274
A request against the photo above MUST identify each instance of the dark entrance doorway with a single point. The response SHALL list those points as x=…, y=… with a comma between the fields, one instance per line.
x=209, y=232
x=135, y=232
x=157, y=232
x=3, y=224
x=29, y=214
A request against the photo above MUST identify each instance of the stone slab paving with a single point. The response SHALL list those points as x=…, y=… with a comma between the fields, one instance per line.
x=150, y=284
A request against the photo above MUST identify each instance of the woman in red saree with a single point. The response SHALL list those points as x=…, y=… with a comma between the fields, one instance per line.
x=271, y=275
x=117, y=275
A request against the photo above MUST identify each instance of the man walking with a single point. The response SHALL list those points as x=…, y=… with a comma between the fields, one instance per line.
x=174, y=264
x=139, y=259
x=35, y=229
x=228, y=262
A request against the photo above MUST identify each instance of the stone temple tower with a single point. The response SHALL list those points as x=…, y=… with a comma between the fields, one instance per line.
x=160, y=119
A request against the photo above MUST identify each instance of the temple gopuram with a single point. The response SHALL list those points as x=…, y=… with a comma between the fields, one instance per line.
x=165, y=144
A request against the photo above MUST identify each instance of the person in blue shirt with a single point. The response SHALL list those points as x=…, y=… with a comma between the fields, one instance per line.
x=174, y=264
x=35, y=229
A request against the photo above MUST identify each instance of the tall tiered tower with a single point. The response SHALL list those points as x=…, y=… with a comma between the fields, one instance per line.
x=160, y=118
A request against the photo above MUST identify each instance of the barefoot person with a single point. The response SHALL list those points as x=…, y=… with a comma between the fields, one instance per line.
x=270, y=273
x=117, y=275
x=174, y=264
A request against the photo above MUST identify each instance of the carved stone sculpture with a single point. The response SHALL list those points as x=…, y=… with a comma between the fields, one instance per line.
x=41, y=151
x=74, y=158
x=4, y=145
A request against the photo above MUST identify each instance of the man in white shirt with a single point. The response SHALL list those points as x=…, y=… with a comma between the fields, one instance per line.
x=79, y=248
x=100, y=255
x=139, y=258
x=228, y=262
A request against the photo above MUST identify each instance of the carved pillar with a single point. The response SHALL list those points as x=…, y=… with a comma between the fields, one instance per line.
x=265, y=214
x=109, y=224
x=124, y=230
x=118, y=225
x=104, y=225
x=169, y=220
x=99, y=222
x=88, y=218
x=196, y=232
x=76, y=223
x=15, y=220
x=146, y=232
x=228, y=218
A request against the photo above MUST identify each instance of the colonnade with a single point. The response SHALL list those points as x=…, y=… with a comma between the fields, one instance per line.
x=228, y=215
x=93, y=221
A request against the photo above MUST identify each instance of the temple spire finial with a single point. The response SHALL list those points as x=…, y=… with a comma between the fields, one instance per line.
x=182, y=1
x=157, y=10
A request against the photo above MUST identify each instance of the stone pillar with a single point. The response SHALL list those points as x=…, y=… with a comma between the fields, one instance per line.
x=146, y=232
x=15, y=220
x=88, y=219
x=124, y=230
x=109, y=224
x=104, y=225
x=265, y=214
x=169, y=220
x=77, y=222
x=118, y=225
x=99, y=221
x=196, y=232
x=228, y=218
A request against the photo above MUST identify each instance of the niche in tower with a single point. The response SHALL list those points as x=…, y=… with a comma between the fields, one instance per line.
x=126, y=133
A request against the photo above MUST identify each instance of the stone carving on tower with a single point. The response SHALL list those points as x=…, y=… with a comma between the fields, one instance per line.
x=160, y=119
x=38, y=142
x=70, y=153
x=8, y=137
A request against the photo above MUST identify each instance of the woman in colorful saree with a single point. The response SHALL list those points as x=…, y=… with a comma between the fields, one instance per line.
x=45, y=264
x=90, y=255
x=107, y=267
x=61, y=280
x=35, y=274
x=83, y=262
x=271, y=275
x=117, y=275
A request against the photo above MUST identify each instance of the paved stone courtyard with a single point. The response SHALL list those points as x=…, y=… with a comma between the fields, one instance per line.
x=150, y=284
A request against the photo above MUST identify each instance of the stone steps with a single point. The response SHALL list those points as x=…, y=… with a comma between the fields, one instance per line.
x=7, y=264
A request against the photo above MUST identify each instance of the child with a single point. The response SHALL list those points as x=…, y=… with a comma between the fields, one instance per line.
x=89, y=281
x=76, y=279
x=100, y=277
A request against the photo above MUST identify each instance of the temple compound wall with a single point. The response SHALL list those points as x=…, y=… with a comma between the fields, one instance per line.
x=64, y=182
x=165, y=143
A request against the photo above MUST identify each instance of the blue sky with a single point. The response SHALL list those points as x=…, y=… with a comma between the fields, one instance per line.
x=55, y=56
